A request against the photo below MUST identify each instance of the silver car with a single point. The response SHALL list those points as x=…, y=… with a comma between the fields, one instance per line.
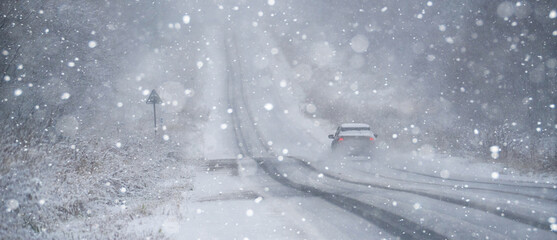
x=353, y=139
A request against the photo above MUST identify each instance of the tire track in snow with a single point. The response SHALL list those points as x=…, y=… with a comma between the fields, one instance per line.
x=552, y=198
x=389, y=221
x=501, y=183
x=471, y=188
x=534, y=222
x=529, y=195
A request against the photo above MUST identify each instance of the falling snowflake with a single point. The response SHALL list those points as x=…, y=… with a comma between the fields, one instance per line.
x=445, y=173
x=442, y=28
x=268, y=106
x=417, y=206
x=359, y=43
x=495, y=175
x=186, y=19
x=65, y=96
x=249, y=213
x=311, y=108
x=11, y=205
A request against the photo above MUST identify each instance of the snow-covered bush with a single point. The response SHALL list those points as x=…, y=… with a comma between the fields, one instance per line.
x=44, y=188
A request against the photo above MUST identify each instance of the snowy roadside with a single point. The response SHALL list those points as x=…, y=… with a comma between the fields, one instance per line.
x=91, y=188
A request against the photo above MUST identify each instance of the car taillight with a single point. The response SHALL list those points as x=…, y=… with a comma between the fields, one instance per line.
x=371, y=139
x=341, y=139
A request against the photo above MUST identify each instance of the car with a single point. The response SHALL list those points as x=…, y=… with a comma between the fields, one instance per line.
x=353, y=139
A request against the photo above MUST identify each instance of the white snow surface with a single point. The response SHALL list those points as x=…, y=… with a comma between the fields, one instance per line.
x=243, y=155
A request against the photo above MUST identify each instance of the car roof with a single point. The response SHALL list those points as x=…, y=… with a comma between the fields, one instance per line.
x=354, y=125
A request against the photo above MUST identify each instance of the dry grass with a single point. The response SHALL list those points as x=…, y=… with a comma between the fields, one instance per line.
x=58, y=181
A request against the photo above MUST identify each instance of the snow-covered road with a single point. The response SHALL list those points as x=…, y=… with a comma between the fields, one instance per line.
x=235, y=198
x=269, y=175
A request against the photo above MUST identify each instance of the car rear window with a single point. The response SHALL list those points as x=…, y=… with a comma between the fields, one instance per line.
x=355, y=129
